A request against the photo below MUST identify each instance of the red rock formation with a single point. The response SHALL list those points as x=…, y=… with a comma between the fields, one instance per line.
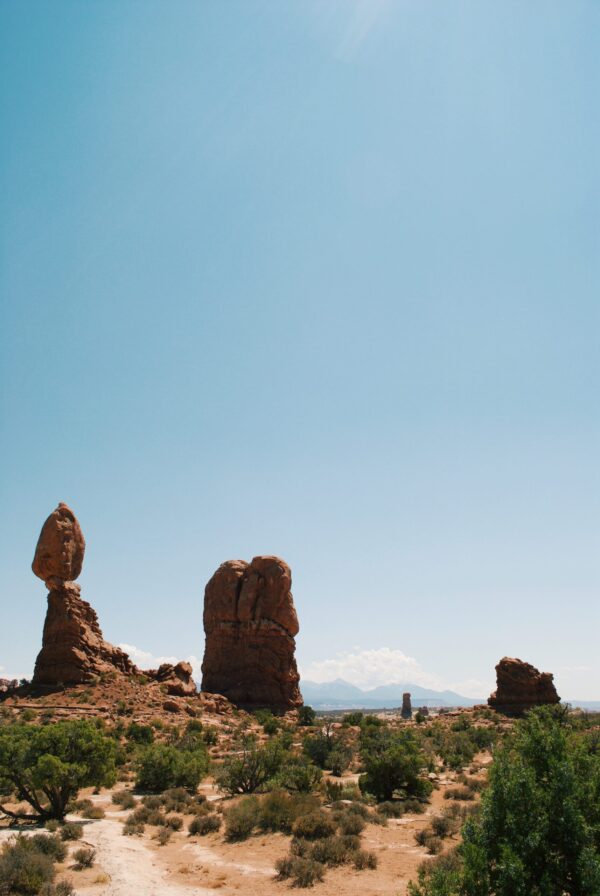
x=73, y=649
x=250, y=624
x=178, y=679
x=521, y=686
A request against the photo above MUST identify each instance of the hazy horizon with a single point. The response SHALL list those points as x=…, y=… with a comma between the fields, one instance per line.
x=317, y=280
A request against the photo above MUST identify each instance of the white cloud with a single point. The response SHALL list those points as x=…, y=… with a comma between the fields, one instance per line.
x=370, y=668
x=146, y=660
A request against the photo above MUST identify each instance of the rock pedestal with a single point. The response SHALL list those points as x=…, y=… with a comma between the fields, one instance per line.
x=406, y=711
x=250, y=624
x=73, y=648
x=520, y=686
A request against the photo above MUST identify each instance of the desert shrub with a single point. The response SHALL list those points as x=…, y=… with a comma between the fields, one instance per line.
x=241, y=819
x=124, y=798
x=24, y=869
x=313, y=826
x=391, y=808
x=251, y=767
x=85, y=857
x=297, y=774
x=52, y=825
x=339, y=760
x=133, y=829
x=175, y=822
x=318, y=747
x=155, y=818
x=51, y=846
x=364, y=860
x=140, y=734
x=442, y=825
x=163, y=836
x=351, y=823
x=458, y=793
x=152, y=802
x=94, y=813
x=416, y=807
x=203, y=825
x=303, y=872
x=353, y=718
x=210, y=736
x=331, y=851
x=306, y=716
x=177, y=799
x=279, y=810
x=47, y=766
x=392, y=763
x=71, y=830
x=164, y=766
x=61, y=888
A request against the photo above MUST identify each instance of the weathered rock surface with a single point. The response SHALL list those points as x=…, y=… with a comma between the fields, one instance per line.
x=178, y=678
x=59, y=552
x=520, y=686
x=73, y=648
x=250, y=624
x=406, y=711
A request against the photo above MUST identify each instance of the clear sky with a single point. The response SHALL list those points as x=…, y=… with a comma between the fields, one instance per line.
x=316, y=279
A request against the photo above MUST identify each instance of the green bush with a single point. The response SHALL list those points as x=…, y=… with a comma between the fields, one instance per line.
x=251, y=767
x=392, y=763
x=297, y=774
x=124, y=798
x=51, y=846
x=47, y=766
x=242, y=818
x=72, y=830
x=140, y=734
x=24, y=869
x=332, y=851
x=306, y=716
x=85, y=857
x=538, y=831
x=205, y=824
x=351, y=823
x=314, y=826
x=163, y=766
x=279, y=810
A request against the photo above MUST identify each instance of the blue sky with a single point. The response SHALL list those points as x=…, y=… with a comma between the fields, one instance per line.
x=317, y=279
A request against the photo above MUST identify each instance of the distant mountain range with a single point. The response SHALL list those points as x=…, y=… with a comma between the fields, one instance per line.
x=340, y=694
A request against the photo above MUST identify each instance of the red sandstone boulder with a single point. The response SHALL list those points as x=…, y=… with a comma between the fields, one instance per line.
x=60, y=548
x=250, y=624
x=520, y=687
x=178, y=679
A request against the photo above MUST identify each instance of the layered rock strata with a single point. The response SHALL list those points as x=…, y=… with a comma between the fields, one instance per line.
x=250, y=624
x=520, y=686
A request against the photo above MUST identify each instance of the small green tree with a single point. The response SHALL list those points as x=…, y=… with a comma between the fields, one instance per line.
x=306, y=715
x=46, y=767
x=392, y=762
x=538, y=833
x=163, y=766
x=250, y=767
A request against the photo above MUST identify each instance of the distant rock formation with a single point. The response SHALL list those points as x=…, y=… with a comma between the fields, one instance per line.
x=73, y=648
x=250, y=624
x=520, y=687
x=406, y=711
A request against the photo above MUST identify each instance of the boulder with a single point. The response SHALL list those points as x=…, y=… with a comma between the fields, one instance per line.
x=178, y=678
x=250, y=624
x=60, y=548
x=520, y=686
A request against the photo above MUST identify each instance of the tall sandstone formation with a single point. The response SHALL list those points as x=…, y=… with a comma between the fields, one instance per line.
x=520, y=686
x=250, y=624
x=73, y=648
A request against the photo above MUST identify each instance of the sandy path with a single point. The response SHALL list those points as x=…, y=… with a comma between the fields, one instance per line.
x=132, y=866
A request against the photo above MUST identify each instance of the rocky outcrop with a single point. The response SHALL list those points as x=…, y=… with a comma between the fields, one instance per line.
x=250, y=624
x=73, y=648
x=178, y=679
x=520, y=686
x=406, y=711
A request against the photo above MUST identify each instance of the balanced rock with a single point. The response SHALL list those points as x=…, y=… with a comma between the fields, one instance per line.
x=520, y=686
x=250, y=624
x=73, y=648
x=406, y=711
x=60, y=548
